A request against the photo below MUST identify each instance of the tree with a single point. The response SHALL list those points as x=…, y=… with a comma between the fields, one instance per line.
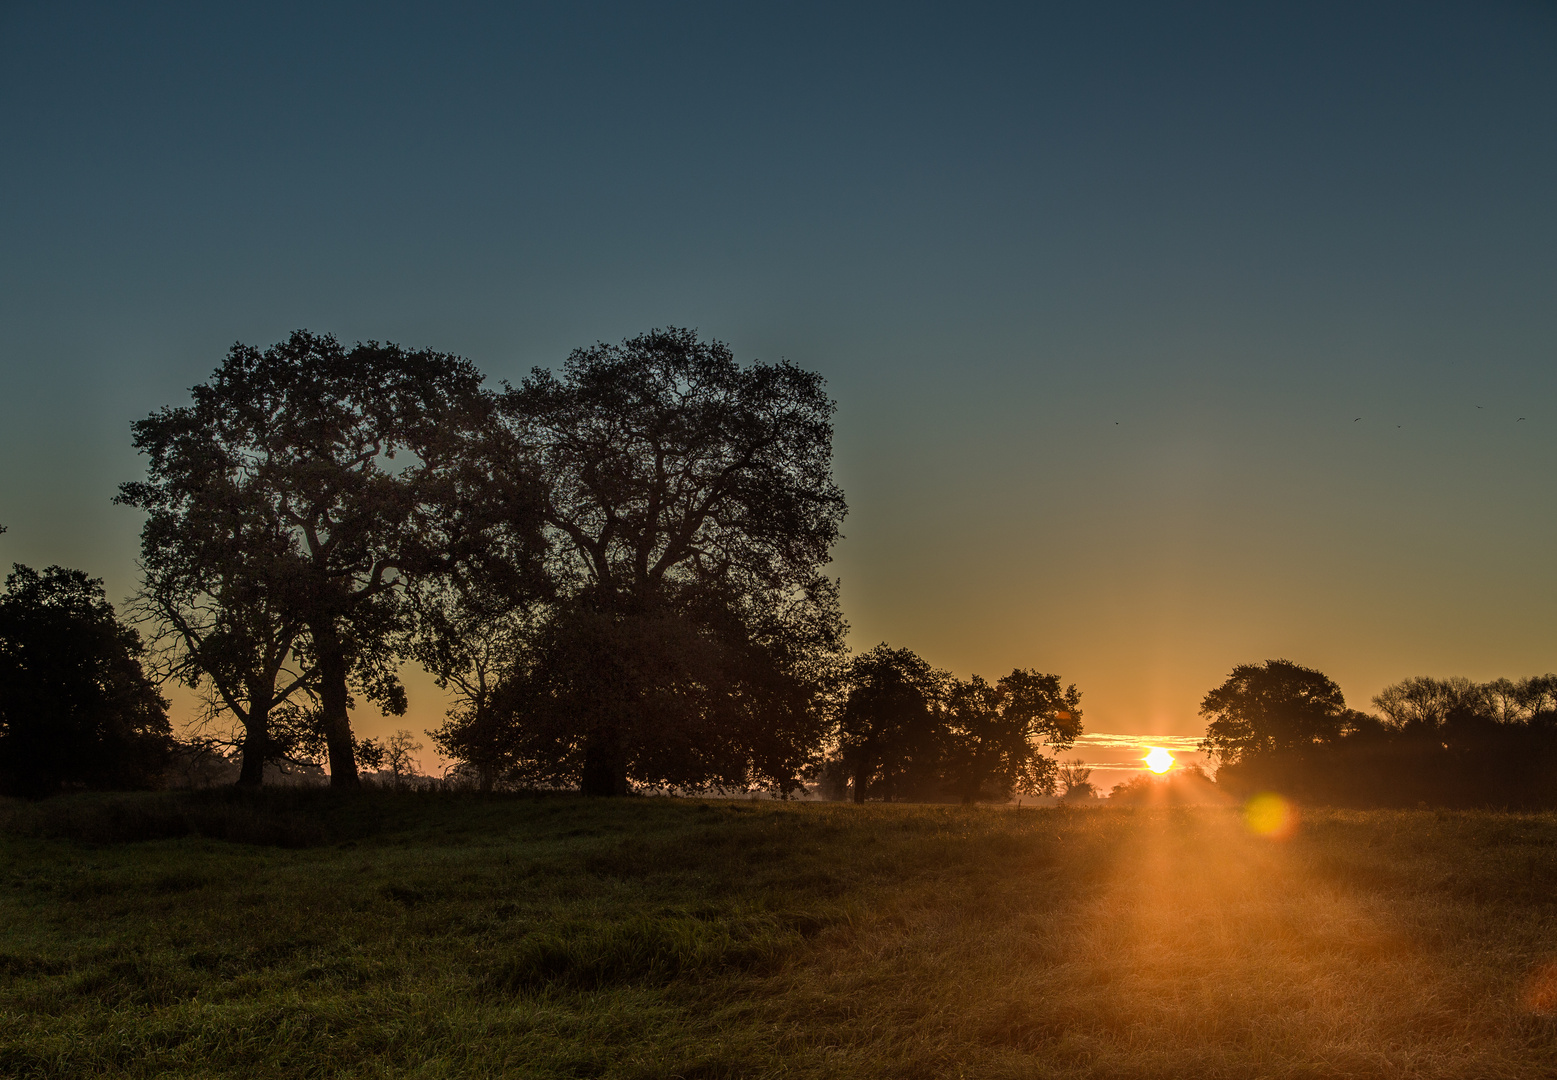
x=1457, y=742
x=1075, y=782
x=76, y=708
x=890, y=728
x=470, y=638
x=218, y=592
x=369, y=467
x=996, y=734
x=400, y=755
x=1424, y=703
x=690, y=509
x=1274, y=708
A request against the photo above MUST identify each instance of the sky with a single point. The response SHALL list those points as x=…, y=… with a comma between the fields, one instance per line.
x=1165, y=337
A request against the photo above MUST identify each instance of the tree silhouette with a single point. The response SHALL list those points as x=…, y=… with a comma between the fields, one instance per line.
x=1274, y=708
x=218, y=582
x=1075, y=781
x=1426, y=703
x=690, y=506
x=360, y=470
x=996, y=734
x=76, y=708
x=471, y=638
x=890, y=730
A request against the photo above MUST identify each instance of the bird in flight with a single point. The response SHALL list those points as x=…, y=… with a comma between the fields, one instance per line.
x=1517, y=421
x=1359, y=418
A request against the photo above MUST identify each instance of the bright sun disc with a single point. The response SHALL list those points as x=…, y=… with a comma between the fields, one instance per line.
x=1159, y=760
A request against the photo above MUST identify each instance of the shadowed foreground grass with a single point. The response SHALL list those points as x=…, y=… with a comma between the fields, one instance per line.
x=440, y=935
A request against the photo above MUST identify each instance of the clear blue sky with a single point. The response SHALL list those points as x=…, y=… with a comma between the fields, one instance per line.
x=1100, y=288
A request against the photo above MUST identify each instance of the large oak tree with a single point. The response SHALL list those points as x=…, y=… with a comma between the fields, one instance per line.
x=354, y=472
x=690, y=508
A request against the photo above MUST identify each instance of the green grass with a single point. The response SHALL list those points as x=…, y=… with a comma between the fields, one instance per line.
x=454, y=936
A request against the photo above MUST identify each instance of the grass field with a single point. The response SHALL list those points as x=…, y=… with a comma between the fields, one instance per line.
x=454, y=936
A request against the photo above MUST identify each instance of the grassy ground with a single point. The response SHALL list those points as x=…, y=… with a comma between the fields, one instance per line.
x=439, y=935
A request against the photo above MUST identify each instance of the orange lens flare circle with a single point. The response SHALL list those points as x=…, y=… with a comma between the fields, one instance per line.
x=1270, y=815
x=1541, y=990
x=1159, y=760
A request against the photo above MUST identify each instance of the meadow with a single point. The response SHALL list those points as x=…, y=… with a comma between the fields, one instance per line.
x=299, y=933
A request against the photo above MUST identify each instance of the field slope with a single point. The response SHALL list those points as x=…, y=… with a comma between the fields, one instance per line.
x=453, y=936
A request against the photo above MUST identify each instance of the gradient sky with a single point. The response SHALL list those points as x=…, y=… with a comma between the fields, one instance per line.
x=1100, y=289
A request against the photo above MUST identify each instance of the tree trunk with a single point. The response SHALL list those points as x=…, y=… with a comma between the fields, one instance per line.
x=333, y=714
x=605, y=769
x=861, y=778
x=256, y=740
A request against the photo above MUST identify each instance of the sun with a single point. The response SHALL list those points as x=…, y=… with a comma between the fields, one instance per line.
x=1159, y=760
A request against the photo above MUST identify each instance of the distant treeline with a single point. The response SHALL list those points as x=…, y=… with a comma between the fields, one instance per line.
x=616, y=570
x=1281, y=727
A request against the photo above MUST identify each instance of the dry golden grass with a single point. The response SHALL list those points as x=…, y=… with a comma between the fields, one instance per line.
x=639, y=938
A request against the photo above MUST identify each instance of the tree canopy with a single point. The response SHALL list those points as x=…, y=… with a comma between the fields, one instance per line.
x=998, y=732
x=1277, y=707
x=76, y=708
x=907, y=731
x=690, y=509
x=1446, y=742
x=299, y=493
x=890, y=730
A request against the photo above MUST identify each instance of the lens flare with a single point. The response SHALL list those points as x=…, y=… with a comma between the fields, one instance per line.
x=1159, y=760
x=1270, y=815
x=1541, y=990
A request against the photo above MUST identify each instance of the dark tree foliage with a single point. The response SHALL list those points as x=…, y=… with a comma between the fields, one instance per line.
x=296, y=498
x=996, y=734
x=218, y=592
x=891, y=732
x=1454, y=742
x=1443, y=742
x=1274, y=708
x=690, y=509
x=470, y=638
x=907, y=731
x=76, y=709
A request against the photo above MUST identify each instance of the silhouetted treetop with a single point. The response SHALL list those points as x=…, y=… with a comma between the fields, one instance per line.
x=690, y=509
x=997, y=733
x=76, y=708
x=1428, y=703
x=666, y=460
x=890, y=729
x=1271, y=708
x=326, y=478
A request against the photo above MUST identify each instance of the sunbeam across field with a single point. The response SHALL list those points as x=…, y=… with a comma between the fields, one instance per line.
x=559, y=936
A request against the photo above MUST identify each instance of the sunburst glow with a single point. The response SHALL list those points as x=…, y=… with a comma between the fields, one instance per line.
x=1159, y=760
